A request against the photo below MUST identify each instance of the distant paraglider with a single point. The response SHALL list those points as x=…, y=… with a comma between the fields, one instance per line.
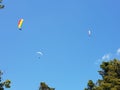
x=89, y=33
x=39, y=54
x=20, y=24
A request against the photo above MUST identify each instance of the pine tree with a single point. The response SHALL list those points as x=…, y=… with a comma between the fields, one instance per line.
x=5, y=84
x=110, y=77
x=44, y=86
x=1, y=6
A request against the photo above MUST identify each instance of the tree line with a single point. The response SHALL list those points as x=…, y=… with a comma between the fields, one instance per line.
x=110, y=73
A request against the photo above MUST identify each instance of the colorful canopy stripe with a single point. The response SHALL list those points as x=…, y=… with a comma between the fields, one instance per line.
x=20, y=23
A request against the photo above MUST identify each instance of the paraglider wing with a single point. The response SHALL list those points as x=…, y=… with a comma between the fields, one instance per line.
x=40, y=53
x=20, y=24
x=89, y=32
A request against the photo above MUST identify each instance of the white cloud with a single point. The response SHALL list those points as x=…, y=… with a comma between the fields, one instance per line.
x=106, y=57
x=118, y=51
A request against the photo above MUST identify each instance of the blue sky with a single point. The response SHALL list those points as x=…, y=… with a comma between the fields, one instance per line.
x=58, y=29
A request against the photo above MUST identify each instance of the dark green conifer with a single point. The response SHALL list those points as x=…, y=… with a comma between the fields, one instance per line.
x=110, y=72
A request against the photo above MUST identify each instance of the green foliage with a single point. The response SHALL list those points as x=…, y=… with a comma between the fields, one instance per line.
x=110, y=77
x=1, y=6
x=5, y=84
x=44, y=86
x=90, y=85
x=0, y=1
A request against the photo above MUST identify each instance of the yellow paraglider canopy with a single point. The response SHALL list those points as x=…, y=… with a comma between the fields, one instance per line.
x=20, y=24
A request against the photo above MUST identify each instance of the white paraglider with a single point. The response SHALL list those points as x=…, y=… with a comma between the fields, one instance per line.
x=89, y=33
x=39, y=54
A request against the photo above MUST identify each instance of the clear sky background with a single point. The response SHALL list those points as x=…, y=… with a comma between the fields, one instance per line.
x=58, y=29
